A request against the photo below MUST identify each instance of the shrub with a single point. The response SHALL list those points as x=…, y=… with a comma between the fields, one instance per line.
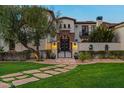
x=48, y=54
x=53, y=56
x=101, y=56
x=112, y=57
x=76, y=55
x=117, y=53
x=110, y=54
x=84, y=56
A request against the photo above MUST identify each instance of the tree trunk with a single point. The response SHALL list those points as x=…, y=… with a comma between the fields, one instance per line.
x=37, y=52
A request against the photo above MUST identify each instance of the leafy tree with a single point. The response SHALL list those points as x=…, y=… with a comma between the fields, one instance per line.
x=101, y=34
x=26, y=24
x=8, y=23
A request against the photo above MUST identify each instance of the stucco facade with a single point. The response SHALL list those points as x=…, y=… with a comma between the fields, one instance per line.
x=119, y=33
x=70, y=31
x=81, y=31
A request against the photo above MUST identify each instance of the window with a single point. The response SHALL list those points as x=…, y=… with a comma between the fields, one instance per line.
x=85, y=30
x=68, y=25
x=64, y=25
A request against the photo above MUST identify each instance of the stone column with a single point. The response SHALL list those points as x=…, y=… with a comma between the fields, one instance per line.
x=54, y=48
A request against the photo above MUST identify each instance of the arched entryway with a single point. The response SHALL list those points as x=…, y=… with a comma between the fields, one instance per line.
x=64, y=43
x=65, y=39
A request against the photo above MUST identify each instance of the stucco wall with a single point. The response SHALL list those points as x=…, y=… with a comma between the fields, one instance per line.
x=78, y=29
x=43, y=46
x=98, y=46
x=67, y=21
x=119, y=32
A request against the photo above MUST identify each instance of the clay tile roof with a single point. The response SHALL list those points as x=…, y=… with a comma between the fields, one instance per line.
x=68, y=18
x=117, y=24
x=86, y=22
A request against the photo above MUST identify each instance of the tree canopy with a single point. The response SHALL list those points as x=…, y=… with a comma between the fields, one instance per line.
x=101, y=34
x=26, y=24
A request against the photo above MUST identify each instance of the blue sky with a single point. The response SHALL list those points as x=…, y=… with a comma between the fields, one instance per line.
x=110, y=13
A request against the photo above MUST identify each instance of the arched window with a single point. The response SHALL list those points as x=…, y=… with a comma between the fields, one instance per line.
x=91, y=47
x=64, y=25
x=106, y=47
x=69, y=26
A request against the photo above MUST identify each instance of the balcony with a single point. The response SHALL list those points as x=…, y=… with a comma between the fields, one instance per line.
x=83, y=34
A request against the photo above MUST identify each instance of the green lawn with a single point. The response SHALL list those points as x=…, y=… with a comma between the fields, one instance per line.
x=91, y=76
x=12, y=67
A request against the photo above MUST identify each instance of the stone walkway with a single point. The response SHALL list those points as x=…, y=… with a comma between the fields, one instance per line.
x=61, y=66
x=28, y=76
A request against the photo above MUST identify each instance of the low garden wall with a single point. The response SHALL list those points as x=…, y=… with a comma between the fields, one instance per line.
x=7, y=56
x=98, y=46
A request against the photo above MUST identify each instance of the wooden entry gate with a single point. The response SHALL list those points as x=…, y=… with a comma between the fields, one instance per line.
x=64, y=54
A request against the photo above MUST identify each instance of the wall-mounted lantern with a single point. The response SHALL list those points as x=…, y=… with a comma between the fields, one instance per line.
x=74, y=46
x=54, y=45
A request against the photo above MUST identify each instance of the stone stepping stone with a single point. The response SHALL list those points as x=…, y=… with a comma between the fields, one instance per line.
x=12, y=75
x=61, y=70
x=22, y=77
x=31, y=71
x=61, y=65
x=24, y=81
x=69, y=67
x=4, y=85
x=52, y=72
x=42, y=75
x=47, y=68
x=8, y=79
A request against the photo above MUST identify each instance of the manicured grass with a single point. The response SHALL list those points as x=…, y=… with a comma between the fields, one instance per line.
x=91, y=76
x=12, y=67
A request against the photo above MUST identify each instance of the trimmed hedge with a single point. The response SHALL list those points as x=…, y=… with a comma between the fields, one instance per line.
x=84, y=56
x=104, y=54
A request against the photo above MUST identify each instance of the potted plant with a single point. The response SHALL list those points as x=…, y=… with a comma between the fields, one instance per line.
x=53, y=56
x=76, y=55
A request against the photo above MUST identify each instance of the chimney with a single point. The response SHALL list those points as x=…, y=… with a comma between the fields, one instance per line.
x=99, y=20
